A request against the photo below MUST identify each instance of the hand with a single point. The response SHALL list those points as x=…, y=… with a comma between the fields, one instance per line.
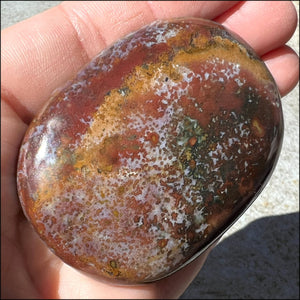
x=39, y=55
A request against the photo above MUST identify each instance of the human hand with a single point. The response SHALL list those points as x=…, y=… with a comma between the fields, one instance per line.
x=43, y=52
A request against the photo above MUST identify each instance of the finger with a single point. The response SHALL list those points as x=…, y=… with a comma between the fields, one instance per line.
x=265, y=25
x=41, y=53
x=283, y=63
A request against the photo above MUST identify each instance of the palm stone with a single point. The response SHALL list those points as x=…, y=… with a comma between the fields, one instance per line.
x=156, y=147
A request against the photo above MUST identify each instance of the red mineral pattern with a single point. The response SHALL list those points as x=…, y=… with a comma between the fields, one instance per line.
x=156, y=147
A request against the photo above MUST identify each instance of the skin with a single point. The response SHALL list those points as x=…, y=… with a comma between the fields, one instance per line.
x=41, y=54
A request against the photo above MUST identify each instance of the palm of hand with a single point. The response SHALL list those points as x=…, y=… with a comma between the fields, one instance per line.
x=29, y=269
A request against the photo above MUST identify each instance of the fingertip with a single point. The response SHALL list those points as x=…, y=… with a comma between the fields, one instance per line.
x=283, y=63
x=265, y=25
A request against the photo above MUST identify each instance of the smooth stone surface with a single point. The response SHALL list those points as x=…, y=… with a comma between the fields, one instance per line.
x=156, y=147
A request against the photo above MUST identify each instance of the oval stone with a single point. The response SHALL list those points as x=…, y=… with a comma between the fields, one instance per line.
x=152, y=151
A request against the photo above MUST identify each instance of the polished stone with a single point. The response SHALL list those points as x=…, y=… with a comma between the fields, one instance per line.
x=152, y=151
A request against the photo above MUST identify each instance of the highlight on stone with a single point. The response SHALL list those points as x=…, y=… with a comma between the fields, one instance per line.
x=156, y=147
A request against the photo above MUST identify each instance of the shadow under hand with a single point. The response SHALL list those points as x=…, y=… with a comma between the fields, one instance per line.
x=259, y=261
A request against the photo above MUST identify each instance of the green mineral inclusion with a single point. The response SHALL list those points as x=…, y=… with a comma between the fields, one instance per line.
x=190, y=129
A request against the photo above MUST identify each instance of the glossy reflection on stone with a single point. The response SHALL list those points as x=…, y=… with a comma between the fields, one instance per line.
x=154, y=149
